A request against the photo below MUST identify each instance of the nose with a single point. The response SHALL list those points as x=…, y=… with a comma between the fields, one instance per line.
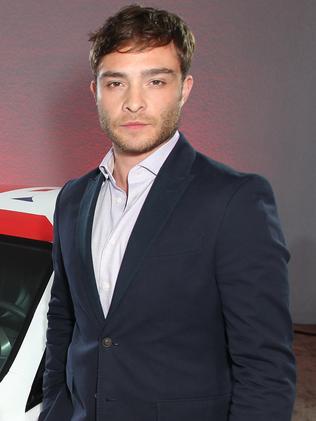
x=134, y=101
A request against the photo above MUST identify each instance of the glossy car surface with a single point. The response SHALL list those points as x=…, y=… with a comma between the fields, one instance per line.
x=26, y=222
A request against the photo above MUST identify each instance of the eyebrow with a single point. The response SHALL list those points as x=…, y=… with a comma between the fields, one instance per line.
x=158, y=71
x=149, y=72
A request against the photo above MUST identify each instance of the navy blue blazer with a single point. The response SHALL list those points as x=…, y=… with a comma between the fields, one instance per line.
x=198, y=327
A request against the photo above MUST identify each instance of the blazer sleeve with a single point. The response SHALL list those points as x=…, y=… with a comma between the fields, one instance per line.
x=56, y=400
x=251, y=271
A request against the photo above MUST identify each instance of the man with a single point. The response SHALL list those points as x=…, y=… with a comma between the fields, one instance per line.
x=170, y=298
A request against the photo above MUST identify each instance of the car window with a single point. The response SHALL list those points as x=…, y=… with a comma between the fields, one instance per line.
x=25, y=269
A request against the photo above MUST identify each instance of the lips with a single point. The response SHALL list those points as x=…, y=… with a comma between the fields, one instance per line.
x=134, y=125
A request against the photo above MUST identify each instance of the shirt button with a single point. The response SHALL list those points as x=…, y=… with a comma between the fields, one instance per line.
x=106, y=286
x=119, y=200
x=107, y=342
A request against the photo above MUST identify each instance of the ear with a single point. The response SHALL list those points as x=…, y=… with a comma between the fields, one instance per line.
x=186, y=88
x=93, y=89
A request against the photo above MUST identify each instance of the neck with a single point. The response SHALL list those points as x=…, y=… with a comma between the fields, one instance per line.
x=123, y=163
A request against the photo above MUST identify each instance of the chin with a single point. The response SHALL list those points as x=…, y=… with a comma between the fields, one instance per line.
x=136, y=149
x=134, y=144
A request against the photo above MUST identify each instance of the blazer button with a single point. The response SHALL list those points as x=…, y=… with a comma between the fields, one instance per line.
x=107, y=342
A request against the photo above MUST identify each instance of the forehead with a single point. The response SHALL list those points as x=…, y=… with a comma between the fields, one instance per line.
x=155, y=57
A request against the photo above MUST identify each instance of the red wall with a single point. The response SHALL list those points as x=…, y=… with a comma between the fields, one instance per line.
x=49, y=126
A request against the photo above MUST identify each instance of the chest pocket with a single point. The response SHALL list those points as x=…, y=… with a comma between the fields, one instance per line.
x=176, y=243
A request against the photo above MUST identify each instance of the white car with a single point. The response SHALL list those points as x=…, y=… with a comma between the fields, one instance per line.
x=26, y=222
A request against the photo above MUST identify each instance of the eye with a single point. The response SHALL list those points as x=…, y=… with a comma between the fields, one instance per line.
x=157, y=82
x=114, y=84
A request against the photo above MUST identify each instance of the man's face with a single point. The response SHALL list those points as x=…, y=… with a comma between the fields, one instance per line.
x=139, y=96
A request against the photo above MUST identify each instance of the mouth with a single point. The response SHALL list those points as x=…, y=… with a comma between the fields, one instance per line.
x=134, y=125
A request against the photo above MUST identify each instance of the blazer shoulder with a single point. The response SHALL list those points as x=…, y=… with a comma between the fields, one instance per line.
x=210, y=171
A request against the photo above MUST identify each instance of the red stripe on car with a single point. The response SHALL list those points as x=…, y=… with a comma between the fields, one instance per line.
x=26, y=225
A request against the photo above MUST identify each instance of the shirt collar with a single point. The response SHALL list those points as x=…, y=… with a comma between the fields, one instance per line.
x=152, y=163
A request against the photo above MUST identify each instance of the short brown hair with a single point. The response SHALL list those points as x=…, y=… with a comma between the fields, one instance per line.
x=144, y=27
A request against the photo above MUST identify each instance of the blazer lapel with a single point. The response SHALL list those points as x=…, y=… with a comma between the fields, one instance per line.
x=84, y=233
x=169, y=185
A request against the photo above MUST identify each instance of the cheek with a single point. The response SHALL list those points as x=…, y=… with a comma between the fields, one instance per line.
x=164, y=103
x=107, y=98
x=170, y=107
x=109, y=106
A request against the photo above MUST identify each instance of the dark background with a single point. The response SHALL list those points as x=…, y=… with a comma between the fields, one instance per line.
x=253, y=103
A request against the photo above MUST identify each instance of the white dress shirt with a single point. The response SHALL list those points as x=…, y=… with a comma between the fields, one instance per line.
x=116, y=213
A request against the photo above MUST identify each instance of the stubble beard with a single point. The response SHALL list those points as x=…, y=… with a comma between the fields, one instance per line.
x=169, y=122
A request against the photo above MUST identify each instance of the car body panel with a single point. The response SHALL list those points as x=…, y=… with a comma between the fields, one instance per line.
x=16, y=385
x=26, y=213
